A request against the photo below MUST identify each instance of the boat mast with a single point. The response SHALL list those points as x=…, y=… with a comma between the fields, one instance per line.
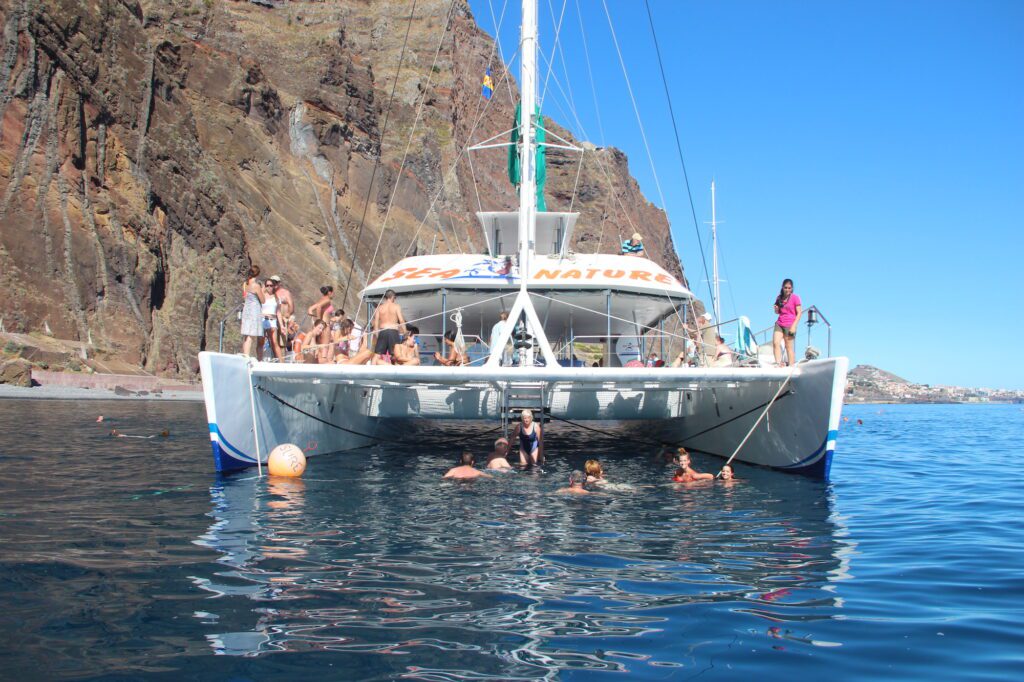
x=527, y=194
x=714, y=258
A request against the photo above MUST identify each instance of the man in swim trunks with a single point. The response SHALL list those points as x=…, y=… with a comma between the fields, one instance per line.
x=388, y=323
x=465, y=469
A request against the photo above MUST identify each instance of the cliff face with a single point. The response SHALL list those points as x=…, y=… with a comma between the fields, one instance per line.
x=151, y=150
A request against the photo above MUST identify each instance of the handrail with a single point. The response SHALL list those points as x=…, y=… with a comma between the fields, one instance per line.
x=234, y=311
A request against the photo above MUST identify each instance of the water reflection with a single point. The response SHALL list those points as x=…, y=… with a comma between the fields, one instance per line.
x=502, y=579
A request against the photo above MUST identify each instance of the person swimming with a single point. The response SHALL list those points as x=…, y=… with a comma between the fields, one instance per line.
x=465, y=468
x=685, y=473
x=499, y=458
x=595, y=472
x=575, y=487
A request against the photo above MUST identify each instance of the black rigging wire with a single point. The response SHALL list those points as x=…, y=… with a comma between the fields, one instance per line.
x=679, y=148
x=380, y=152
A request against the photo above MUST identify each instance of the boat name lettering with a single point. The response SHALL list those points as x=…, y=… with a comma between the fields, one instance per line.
x=639, y=275
x=542, y=273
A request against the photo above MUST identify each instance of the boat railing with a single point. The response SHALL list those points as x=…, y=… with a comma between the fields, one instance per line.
x=235, y=312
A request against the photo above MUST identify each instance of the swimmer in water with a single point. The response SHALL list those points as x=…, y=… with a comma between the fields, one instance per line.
x=685, y=474
x=595, y=473
x=499, y=458
x=576, y=480
x=465, y=469
x=726, y=475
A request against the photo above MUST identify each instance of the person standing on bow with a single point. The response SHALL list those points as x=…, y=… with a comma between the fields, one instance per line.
x=531, y=440
x=789, y=309
x=252, y=316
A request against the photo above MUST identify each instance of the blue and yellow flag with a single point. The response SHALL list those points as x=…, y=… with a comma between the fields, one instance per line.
x=488, y=87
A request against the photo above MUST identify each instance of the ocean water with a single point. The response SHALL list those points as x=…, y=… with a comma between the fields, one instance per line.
x=123, y=558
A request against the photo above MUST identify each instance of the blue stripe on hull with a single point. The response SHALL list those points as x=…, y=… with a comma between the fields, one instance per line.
x=223, y=459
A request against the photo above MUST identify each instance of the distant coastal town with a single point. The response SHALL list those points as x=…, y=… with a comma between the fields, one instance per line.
x=867, y=384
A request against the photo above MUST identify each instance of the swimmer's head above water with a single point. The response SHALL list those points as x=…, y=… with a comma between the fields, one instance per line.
x=577, y=478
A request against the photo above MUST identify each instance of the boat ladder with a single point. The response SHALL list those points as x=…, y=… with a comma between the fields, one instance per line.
x=519, y=396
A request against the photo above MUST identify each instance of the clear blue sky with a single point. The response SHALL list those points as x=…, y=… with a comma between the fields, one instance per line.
x=872, y=151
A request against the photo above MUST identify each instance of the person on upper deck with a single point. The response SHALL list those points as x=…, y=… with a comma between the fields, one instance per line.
x=388, y=324
x=789, y=309
x=530, y=437
x=634, y=246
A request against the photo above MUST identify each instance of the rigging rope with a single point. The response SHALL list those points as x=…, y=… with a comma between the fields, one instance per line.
x=408, y=144
x=679, y=149
x=358, y=433
x=380, y=154
x=636, y=110
x=751, y=431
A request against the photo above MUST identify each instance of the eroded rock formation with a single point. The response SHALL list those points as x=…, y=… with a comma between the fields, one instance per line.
x=151, y=150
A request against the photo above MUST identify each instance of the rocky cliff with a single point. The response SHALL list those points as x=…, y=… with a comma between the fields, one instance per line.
x=150, y=151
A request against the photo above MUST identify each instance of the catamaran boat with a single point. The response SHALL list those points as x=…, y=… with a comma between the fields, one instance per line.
x=562, y=307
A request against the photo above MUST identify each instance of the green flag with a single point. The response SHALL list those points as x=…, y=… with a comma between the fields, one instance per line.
x=514, y=170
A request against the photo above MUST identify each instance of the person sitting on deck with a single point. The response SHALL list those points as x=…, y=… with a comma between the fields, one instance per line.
x=304, y=346
x=575, y=487
x=408, y=351
x=685, y=474
x=465, y=468
x=595, y=472
x=456, y=355
x=634, y=246
x=499, y=458
x=723, y=354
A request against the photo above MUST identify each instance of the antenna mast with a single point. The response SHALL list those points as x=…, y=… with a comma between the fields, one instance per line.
x=714, y=258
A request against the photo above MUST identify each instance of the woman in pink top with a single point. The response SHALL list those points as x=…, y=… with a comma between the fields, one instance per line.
x=789, y=310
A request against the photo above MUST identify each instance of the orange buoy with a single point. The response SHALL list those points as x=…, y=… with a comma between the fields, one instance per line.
x=286, y=460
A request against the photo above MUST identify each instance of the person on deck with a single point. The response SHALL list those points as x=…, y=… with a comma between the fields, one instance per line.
x=465, y=468
x=285, y=307
x=723, y=354
x=499, y=458
x=634, y=246
x=575, y=487
x=252, y=318
x=304, y=346
x=789, y=309
x=321, y=310
x=685, y=473
x=530, y=437
x=408, y=351
x=456, y=356
x=496, y=330
x=387, y=325
x=271, y=317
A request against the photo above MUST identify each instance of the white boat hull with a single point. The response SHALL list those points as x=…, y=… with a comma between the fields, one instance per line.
x=338, y=408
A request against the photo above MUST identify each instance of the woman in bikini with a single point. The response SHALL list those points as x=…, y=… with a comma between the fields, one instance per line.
x=321, y=310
